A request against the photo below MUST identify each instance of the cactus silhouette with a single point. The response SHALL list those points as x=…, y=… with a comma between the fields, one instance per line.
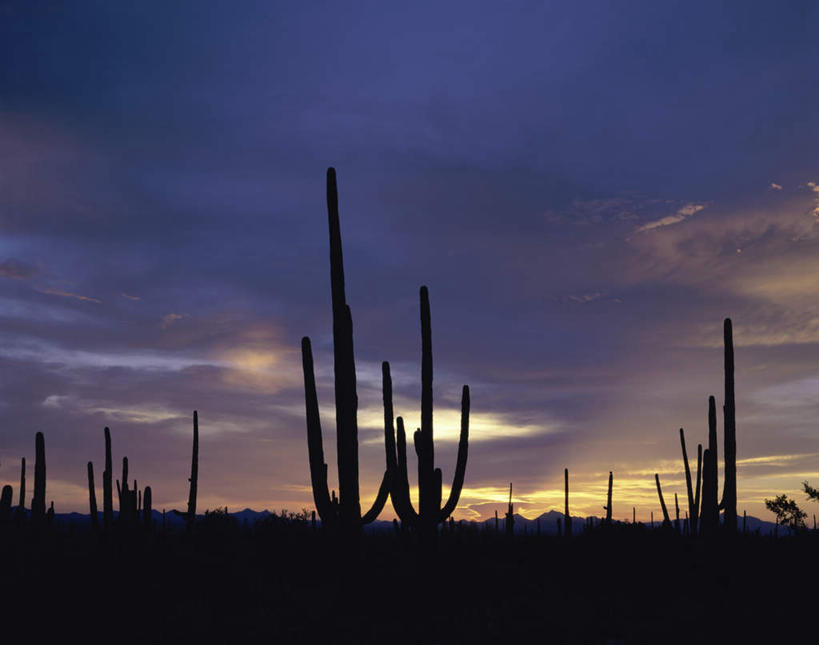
x=510, y=515
x=107, y=485
x=92, y=496
x=147, y=510
x=566, y=510
x=666, y=518
x=38, y=503
x=729, y=489
x=709, y=512
x=5, y=504
x=693, y=499
x=607, y=507
x=430, y=513
x=677, y=512
x=190, y=516
x=346, y=512
x=20, y=514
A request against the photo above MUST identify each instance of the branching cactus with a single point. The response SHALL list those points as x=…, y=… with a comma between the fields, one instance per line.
x=566, y=515
x=346, y=513
x=429, y=513
x=693, y=500
x=38, y=503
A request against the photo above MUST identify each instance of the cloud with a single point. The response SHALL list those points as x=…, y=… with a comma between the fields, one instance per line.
x=16, y=270
x=815, y=188
x=129, y=296
x=51, y=291
x=170, y=319
x=586, y=297
x=775, y=186
x=689, y=210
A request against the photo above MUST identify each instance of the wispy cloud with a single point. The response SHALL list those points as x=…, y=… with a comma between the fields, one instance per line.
x=130, y=297
x=51, y=291
x=689, y=210
x=815, y=188
x=775, y=186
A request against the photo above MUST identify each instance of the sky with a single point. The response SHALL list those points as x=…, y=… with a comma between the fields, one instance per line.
x=587, y=189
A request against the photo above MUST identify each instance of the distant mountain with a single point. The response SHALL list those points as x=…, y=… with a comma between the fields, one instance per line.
x=523, y=525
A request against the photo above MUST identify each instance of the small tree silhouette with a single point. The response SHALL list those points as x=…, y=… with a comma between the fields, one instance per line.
x=787, y=512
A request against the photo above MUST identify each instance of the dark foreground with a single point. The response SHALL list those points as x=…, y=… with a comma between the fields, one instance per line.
x=283, y=583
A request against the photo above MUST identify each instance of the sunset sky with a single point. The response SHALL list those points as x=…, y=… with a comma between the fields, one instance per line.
x=588, y=189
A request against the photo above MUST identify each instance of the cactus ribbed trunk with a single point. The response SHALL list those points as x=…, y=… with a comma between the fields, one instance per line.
x=729, y=489
x=696, y=520
x=107, y=485
x=38, y=503
x=92, y=497
x=568, y=518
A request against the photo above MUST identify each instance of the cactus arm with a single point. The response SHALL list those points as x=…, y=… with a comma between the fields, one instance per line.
x=380, y=500
x=460, y=465
x=688, y=486
x=315, y=450
x=107, y=488
x=400, y=485
x=666, y=519
x=92, y=495
x=696, y=515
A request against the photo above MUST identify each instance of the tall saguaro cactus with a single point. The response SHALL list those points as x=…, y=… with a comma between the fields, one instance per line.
x=729, y=489
x=107, y=485
x=194, y=478
x=21, y=504
x=346, y=512
x=510, y=515
x=38, y=503
x=566, y=509
x=608, y=500
x=430, y=513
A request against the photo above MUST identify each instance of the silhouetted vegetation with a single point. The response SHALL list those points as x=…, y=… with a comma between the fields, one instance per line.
x=232, y=576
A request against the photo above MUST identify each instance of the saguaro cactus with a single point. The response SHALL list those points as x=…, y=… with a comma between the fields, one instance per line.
x=430, y=513
x=510, y=515
x=709, y=513
x=92, y=496
x=107, y=485
x=607, y=507
x=21, y=504
x=5, y=503
x=566, y=515
x=729, y=489
x=346, y=514
x=194, y=478
x=693, y=499
x=147, y=510
x=38, y=503
x=666, y=518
